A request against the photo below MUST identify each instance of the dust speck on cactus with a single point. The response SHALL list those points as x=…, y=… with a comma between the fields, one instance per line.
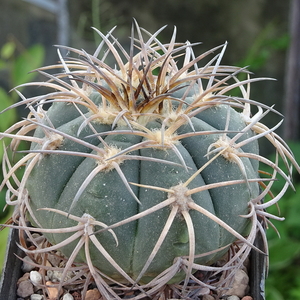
x=144, y=170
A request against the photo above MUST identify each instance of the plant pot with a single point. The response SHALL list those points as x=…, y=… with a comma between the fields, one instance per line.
x=257, y=273
x=12, y=269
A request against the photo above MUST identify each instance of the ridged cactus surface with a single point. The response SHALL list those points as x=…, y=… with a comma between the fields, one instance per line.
x=106, y=198
x=144, y=170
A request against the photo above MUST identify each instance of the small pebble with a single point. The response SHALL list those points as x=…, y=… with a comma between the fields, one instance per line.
x=23, y=278
x=53, y=292
x=25, y=289
x=208, y=297
x=54, y=260
x=247, y=298
x=233, y=297
x=92, y=295
x=36, y=278
x=68, y=296
x=27, y=266
x=36, y=297
x=204, y=291
x=56, y=276
x=239, y=285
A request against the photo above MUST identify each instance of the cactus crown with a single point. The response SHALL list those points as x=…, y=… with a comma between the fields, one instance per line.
x=148, y=111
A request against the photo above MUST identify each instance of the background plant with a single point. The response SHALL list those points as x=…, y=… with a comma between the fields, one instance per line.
x=16, y=64
x=283, y=280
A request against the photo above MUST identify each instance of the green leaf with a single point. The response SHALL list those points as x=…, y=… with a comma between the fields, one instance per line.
x=2, y=64
x=8, y=50
x=3, y=238
x=273, y=293
x=7, y=118
x=282, y=252
x=27, y=62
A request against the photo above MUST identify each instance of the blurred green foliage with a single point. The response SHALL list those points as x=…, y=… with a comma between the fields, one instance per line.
x=283, y=282
x=264, y=46
x=98, y=14
x=15, y=66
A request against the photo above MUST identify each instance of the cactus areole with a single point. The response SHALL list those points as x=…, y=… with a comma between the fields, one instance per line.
x=145, y=169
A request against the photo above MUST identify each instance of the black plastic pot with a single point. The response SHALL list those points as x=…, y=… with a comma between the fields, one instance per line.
x=257, y=273
x=12, y=270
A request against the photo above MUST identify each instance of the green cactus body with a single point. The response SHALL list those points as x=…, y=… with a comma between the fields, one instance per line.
x=106, y=198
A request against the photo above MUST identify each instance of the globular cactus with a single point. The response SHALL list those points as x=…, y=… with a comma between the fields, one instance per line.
x=143, y=170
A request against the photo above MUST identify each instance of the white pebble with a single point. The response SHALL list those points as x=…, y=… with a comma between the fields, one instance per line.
x=36, y=297
x=233, y=297
x=67, y=296
x=35, y=278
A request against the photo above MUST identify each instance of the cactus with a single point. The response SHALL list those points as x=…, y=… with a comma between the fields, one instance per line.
x=144, y=172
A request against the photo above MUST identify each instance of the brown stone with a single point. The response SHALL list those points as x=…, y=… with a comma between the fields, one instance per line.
x=93, y=295
x=25, y=289
x=53, y=292
x=23, y=278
